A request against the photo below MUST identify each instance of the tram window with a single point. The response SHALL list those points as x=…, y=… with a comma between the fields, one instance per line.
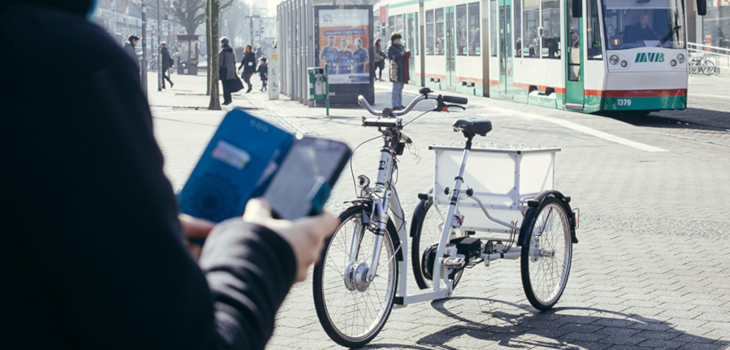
x=440, y=37
x=593, y=32
x=399, y=26
x=418, y=32
x=461, y=32
x=429, y=32
x=650, y=23
x=551, y=29
x=391, y=25
x=530, y=23
x=475, y=38
x=517, y=25
x=411, y=35
x=493, y=35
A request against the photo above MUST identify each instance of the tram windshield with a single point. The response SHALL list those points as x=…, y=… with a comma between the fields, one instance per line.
x=644, y=23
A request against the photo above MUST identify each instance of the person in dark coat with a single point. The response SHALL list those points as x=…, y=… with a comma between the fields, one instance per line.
x=248, y=65
x=129, y=48
x=378, y=58
x=96, y=256
x=227, y=69
x=263, y=70
x=166, y=64
x=396, y=54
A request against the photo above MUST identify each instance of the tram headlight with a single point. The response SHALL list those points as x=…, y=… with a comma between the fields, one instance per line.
x=673, y=63
x=613, y=59
x=680, y=58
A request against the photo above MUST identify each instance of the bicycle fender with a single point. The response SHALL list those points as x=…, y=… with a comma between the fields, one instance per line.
x=534, y=204
x=423, y=204
x=366, y=205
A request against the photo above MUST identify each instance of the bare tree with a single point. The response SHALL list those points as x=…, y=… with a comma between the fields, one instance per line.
x=188, y=13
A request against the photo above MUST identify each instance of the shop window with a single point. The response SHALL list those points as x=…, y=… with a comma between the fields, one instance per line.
x=518, y=28
x=530, y=23
x=440, y=37
x=551, y=29
x=475, y=37
x=429, y=32
x=461, y=31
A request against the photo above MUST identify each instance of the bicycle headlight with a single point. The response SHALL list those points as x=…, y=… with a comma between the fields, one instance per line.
x=362, y=181
x=680, y=58
x=613, y=59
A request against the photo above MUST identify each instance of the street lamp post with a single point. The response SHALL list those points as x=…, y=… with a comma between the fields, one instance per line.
x=159, y=54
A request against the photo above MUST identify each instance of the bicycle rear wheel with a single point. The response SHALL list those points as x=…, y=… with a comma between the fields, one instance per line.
x=547, y=256
x=426, y=228
x=708, y=67
x=351, y=310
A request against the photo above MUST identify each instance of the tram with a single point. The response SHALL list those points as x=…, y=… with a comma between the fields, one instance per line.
x=580, y=55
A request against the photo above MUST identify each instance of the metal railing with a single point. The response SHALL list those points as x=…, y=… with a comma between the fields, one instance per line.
x=705, y=59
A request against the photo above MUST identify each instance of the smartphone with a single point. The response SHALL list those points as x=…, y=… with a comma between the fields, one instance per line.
x=303, y=180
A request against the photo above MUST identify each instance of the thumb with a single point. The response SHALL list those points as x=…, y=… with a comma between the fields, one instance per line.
x=257, y=209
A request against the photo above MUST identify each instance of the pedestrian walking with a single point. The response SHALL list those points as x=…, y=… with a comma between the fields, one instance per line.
x=227, y=69
x=167, y=63
x=130, y=48
x=397, y=53
x=248, y=65
x=263, y=70
x=378, y=59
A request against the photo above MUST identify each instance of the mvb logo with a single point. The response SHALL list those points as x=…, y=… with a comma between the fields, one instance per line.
x=649, y=57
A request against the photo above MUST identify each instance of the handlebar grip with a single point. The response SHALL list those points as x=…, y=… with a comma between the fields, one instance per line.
x=454, y=99
x=381, y=122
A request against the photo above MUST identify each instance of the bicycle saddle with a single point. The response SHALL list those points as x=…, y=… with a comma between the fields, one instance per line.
x=473, y=126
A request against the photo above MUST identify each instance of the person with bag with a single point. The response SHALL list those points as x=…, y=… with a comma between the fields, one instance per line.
x=263, y=70
x=378, y=59
x=248, y=66
x=167, y=63
x=227, y=70
x=398, y=55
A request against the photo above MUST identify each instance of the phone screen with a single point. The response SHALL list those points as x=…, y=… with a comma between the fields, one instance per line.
x=310, y=164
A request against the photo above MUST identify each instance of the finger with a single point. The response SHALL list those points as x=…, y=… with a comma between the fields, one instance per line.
x=195, y=227
x=257, y=209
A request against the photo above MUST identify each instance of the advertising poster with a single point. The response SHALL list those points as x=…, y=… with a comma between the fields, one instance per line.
x=344, y=42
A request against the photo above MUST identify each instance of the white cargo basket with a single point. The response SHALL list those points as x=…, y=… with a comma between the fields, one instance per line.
x=501, y=176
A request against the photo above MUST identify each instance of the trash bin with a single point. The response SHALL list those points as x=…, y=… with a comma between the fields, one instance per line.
x=319, y=88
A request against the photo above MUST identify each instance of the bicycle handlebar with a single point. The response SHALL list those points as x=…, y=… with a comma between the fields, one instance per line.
x=453, y=99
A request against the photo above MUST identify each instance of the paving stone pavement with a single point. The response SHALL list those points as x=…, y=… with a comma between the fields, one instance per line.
x=651, y=269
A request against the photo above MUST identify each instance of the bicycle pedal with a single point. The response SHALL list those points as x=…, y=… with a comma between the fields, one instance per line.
x=453, y=262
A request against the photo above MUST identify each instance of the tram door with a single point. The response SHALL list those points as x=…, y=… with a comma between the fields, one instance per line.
x=574, y=47
x=505, y=48
x=411, y=45
x=450, y=48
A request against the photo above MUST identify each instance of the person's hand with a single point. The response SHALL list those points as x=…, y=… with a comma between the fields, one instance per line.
x=305, y=236
x=195, y=229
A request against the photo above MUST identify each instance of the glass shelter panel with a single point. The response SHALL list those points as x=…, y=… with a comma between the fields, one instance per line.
x=461, y=31
x=475, y=38
x=531, y=21
x=645, y=23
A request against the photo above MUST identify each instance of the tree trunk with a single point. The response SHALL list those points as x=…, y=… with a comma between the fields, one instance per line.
x=215, y=102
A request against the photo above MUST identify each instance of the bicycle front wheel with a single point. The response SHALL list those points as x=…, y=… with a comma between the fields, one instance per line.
x=547, y=256
x=708, y=67
x=352, y=310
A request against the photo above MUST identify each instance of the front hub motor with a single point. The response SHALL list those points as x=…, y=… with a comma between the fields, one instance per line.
x=356, y=277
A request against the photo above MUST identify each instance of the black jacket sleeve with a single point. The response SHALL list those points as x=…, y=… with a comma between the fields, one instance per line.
x=95, y=258
x=249, y=269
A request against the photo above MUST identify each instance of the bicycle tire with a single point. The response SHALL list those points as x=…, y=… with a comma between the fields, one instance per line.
x=708, y=67
x=537, y=263
x=329, y=277
x=426, y=230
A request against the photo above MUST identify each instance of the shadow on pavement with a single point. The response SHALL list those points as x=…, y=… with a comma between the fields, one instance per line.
x=690, y=118
x=519, y=326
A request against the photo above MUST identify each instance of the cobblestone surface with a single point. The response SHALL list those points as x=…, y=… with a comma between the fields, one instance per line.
x=651, y=267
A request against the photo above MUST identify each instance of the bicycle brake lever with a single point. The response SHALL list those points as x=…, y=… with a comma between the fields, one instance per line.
x=462, y=107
